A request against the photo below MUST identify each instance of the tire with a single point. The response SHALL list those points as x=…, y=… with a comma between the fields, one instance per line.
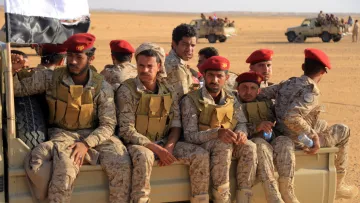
x=326, y=37
x=336, y=38
x=222, y=38
x=212, y=38
x=291, y=36
x=30, y=121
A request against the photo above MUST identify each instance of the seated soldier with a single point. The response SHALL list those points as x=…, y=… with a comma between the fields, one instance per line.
x=271, y=145
x=52, y=56
x=149, y=120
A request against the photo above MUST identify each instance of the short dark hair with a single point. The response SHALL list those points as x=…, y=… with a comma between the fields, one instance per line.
x=183, y=30
x=149, y=53
x=209, y=52
x=52, y=58
x=90, y=52
x=20, y=53
x=121, y=57
x=312, y=67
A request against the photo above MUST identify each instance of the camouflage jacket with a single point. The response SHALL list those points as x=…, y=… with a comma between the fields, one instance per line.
x=116, y=74
x=297, y=105
x=104, y=107
x=127, y=105
x=190, y=115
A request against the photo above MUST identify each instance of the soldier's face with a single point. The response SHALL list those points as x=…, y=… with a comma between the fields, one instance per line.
x=147, y=68
x=78, y=63
x=263, y=68
x=201, y=60
x=185, y=48
x=248, y=91
x=215, y=80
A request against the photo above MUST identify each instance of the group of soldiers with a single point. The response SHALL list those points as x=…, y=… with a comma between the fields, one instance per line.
x=217, y=22
x=166, y=112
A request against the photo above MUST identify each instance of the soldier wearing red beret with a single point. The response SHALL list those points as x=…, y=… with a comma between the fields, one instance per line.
x=122, y=68
x=261, y=62
x=82, y=120
x=52, y=56
x=212, y=118
x=297, y=111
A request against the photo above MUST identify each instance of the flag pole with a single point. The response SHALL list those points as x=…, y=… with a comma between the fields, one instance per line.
x=9, y=90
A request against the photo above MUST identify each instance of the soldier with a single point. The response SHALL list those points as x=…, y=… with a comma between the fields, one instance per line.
x=261, y=62
x=52, y=56
x=297, y=109
x=213, y=119
x=261, y=117
x=122, y=69
x=355, y=31
x=19, y=57
x=183, y=46
x=82, y=119
x=149, y=120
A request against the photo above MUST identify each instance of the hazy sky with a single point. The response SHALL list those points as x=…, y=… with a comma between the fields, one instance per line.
x=352, y=6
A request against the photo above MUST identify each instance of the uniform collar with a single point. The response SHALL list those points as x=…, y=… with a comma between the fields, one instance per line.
x=209, y=99
x=174, y=55
x=69, y=81
x=140, y=87
x=310, y=81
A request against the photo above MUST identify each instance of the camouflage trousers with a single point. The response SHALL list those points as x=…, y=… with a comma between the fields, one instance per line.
x=335, y=136
x=143, y=160
x=220, y=161
x=113, y=157
x=247, y=164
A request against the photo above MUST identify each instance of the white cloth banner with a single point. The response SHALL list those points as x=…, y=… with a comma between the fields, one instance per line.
x=59, y=9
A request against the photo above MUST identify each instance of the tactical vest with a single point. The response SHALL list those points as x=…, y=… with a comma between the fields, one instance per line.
x=214, y=116
x=153, y=111
x=258, y=111
x=71, y=107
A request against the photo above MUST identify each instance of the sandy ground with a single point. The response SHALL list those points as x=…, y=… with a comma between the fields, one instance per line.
x=339, y=88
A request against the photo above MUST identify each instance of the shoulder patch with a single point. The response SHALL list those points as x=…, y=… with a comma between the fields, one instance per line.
x=309, y=97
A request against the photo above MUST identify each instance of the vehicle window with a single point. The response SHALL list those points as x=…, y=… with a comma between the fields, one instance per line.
x=306, y=23
x=193, y=22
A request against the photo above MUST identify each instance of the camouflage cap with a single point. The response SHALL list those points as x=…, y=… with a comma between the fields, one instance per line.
x=161, y=53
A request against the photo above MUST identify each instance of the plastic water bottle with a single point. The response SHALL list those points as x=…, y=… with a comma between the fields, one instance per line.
x=267, y=136
x=306, y=140
x=201, y=84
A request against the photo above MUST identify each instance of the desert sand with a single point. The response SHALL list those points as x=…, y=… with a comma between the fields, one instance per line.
x=339, y=88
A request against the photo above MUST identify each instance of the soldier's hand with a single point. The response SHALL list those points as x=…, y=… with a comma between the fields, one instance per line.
x=18, y=62
x=227, y=136
x=265, y=126
x=316, y=146
x=241, y=138
x=166, y=158
x=79, y=151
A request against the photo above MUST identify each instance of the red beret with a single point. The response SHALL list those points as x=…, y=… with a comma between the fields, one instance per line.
x=260, y=56
x=215, y=63
x=121, y=46
x=80, y=42
x=53, y=49
x=250, y=77
x=318, y=55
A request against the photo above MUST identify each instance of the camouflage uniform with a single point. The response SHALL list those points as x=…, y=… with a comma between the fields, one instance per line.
x=220, y=152
x=266, y=84
x=116, y=74
x=143, y=158
x=113, y=156
x=297, y=109
x=178, y=74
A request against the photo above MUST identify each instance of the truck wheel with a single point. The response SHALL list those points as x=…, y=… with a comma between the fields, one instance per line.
x=291, y=36
x=222, y=38
x=212, y=38
x=326, y=37
x=30, y=120
x=336, y=38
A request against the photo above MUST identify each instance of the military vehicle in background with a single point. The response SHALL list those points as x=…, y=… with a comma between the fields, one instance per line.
x=310, y=27
x=213, y=30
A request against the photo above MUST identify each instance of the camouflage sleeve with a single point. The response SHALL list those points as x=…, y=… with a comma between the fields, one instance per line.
x=268, y=92
x=175, y=108
x=106, y=115
x=177, y=77
x=30, y=83
x=294, y=118
x=240, y=117
x=127, y=105
x=190, y=124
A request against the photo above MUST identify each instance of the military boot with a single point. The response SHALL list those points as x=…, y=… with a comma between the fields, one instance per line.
x=200, y=199
x=272, y=193
x=222, y=194
x=244, y=196
x=286, y=187
x=343, y=190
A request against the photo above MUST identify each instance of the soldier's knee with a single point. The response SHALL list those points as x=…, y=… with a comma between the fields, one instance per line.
x=341, y=132
x=140, y=154
x=220, y=145
x=284, y=143
x=250, y=146
x=202, y=155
